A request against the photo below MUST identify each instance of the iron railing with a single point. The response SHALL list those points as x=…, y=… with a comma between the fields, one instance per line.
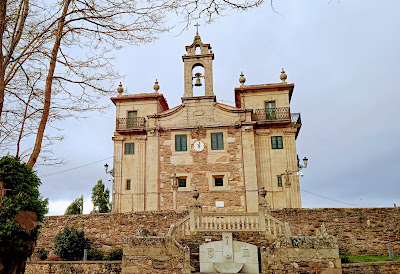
x=296, y=118
x=271, y=115
x=130, y=123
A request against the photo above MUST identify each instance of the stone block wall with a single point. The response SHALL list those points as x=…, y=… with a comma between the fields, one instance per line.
x=198, y=167
x=365, y=231
x=98, y=267
x=360, y=231
x=108, y=230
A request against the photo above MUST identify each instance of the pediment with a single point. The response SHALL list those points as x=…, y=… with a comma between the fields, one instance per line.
x=200, y=114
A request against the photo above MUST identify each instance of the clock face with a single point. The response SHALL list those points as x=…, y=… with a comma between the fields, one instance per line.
x=198, y=145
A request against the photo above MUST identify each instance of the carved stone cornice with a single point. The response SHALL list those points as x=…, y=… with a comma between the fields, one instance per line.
x=141, y=137
x=118, y=138
x=263, y=133
x=291, y=131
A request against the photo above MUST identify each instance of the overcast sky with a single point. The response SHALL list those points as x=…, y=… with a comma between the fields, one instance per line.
x=344, y=60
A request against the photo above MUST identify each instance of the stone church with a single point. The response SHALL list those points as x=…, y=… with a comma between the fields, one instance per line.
x=226, y=154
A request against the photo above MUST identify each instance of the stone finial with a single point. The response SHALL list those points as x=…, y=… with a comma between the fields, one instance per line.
x=156, y=86
x=283, y=76
x=242, y=79
x=120, y=89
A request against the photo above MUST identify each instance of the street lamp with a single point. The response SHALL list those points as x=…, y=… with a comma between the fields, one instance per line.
x=196, y=194
x=305, y=161
x=263, y=192
x=111, y=172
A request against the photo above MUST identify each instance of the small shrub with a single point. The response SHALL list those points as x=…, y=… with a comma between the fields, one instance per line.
x=344, y=259
x=70, y=243
x=114, y=255
x=95, y=254
x=42, y=254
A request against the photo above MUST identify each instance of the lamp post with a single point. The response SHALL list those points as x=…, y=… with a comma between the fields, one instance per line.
x=174, y=190
x=305, y=161
x=196, y=195
x=111, y=172
x=290, y=172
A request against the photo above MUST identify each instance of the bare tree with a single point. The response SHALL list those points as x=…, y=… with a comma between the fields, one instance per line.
x=56, y=59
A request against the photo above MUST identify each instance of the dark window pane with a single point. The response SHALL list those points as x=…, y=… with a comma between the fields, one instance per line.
x=181, y=142
x=129, y=148
x=219, y=181
x=279, y=181
x=182, y=182
x=217, y=141
x=276, y=142
x=128, y=185
x=132, y=119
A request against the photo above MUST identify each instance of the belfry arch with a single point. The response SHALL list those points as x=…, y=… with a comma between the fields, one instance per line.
x=191, y=60
x=198, y=72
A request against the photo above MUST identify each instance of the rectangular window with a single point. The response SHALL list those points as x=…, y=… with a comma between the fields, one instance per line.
x=219, y=181
x=270, y=110
x=128, y=184
x=181, y=142
x=182, y=182
x=217, y=141
x=279, y=181
x=129, y=148
x=276, y=142
x=132, y=119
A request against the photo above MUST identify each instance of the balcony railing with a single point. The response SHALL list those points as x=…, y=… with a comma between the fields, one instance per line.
x=271, y=115
x=296, y=118
x=126, y=124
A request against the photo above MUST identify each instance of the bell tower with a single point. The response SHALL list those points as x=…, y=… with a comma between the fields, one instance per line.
x=192, y=60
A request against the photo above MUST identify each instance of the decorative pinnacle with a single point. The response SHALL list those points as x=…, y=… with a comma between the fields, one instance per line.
x=156, y=86
x=283, y=76
x=120, y=89
x=242, y=79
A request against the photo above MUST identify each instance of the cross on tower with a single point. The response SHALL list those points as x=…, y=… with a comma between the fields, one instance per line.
x=197, y=30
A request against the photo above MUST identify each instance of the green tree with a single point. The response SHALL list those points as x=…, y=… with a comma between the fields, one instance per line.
x=76, y=207
x=21, y=211
x=70, y=243
x=101, y=198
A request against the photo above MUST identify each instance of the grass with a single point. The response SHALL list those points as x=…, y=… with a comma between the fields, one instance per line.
x=365, y=258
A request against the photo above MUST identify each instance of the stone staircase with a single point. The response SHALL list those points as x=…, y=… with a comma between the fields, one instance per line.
x=179, y=250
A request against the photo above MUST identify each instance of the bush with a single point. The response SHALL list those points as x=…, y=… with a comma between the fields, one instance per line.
x=114, y=255
x=24, y=196
x=70, y=243
x=41, y=254
x=344, y=259
x=95, y=254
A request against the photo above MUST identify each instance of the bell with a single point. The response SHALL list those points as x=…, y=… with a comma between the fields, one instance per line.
x=198, y=82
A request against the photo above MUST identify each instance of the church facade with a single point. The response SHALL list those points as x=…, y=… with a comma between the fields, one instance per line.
x=225, y=153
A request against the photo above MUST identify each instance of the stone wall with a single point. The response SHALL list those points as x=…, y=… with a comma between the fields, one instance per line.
x=108, y=230
x=111, y=267
x=372, y=267
x=199, y=169
x=364, y=231
x=360, y=231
